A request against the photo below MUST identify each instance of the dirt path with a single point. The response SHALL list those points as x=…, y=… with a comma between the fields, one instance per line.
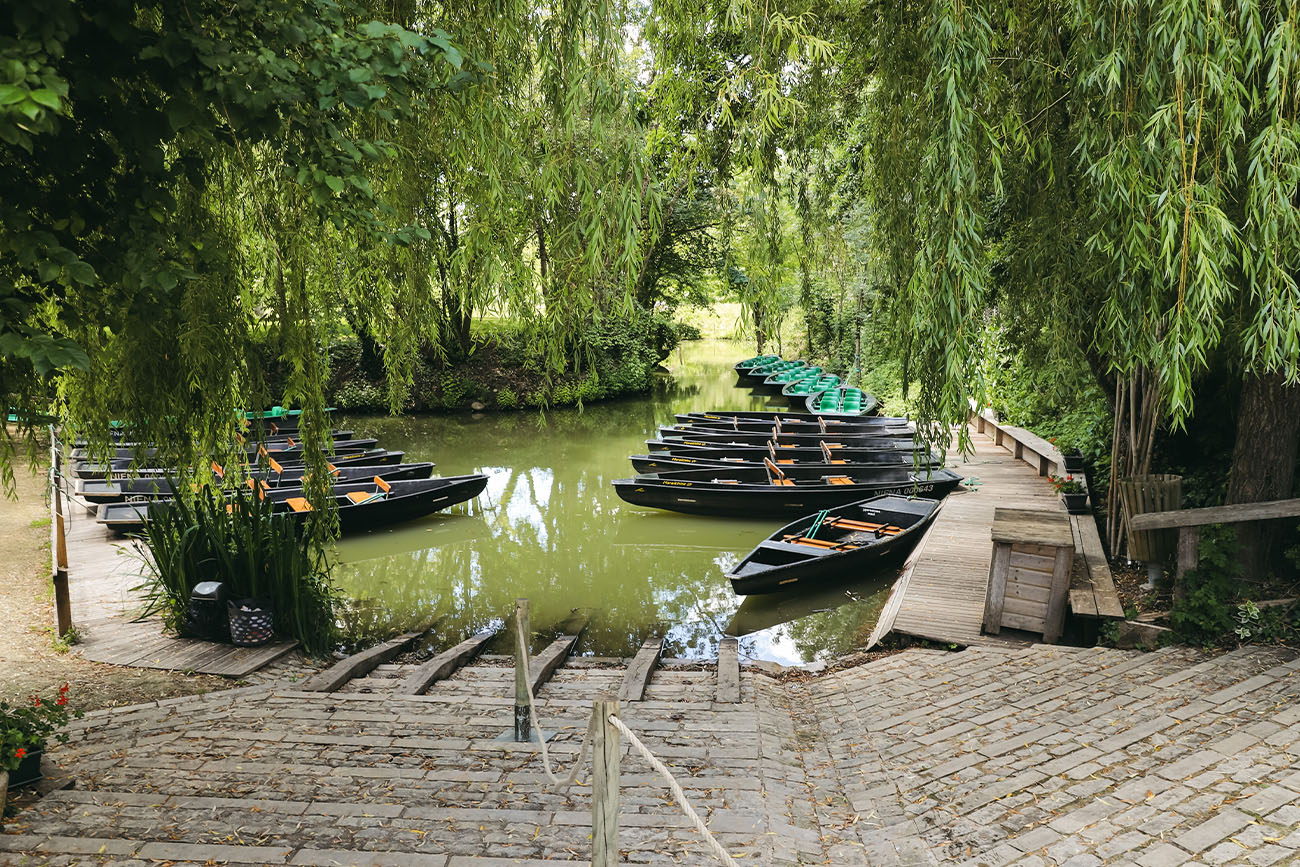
x=29, y=660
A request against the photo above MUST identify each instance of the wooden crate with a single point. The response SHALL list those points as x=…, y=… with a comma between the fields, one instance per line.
x=1029, y=578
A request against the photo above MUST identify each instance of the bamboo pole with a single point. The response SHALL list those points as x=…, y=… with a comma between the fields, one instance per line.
x=523, y=725
x=605, y=752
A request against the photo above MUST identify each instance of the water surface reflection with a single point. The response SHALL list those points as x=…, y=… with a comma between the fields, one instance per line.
x=549, y=527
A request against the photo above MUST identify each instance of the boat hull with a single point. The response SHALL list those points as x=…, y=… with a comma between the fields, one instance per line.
x=766, y=500
x=99, y=491
x=668, y=462
x=776, y=565
x=406, y=501
x=123, y=467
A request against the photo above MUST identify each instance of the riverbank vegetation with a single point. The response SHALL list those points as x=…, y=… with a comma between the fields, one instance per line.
x=1083, y=214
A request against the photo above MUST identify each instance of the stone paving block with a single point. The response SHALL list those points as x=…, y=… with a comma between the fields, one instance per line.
x=1162, y=855
x=1208, y=833
x=344, y=858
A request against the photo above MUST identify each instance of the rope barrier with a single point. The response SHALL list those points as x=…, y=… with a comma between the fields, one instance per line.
x=556, y=782
x=678, y=794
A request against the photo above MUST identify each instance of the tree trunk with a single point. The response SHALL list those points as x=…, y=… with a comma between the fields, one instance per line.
x=1263, y=462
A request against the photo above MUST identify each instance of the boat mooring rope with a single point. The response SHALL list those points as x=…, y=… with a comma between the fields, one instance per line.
x=557, y=782
x=678, y=794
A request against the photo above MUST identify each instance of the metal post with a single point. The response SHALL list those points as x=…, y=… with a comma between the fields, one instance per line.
x=523, y=725
x=605, y=753
x=59, y=544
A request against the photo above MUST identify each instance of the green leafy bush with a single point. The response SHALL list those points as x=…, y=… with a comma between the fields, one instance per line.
x=26, y=728
x=255, y=551
x=507, y=399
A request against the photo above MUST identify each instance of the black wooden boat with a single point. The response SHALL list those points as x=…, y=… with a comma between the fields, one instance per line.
x=669, y=462
x=833, y=544
x=98, y=491
x=277, y=447
x=798, y=414
x=690, y=433
x=361, y=505
x=774, y=491
x=340, y=438
x=121, y=468
x=678, y=446
x=850, y=402
x=787, y=424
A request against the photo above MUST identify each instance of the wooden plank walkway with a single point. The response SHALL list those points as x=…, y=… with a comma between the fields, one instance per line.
x=102, y=570
x=940, y=595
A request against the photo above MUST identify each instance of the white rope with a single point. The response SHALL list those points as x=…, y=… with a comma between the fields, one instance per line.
x=675, y=787
x=556, y=782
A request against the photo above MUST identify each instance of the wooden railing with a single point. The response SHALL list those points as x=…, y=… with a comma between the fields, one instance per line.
x=1025, y=445
x=1188, y=522
x=1092, y=587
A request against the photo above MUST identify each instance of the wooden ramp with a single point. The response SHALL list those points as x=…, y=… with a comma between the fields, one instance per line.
x=940, y=595
x=103, y=569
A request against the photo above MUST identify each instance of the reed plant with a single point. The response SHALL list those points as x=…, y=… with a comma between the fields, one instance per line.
x=243, y=542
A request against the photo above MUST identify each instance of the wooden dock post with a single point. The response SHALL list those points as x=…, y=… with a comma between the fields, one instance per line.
x=605, y=753
x=523, y=724
x=1029, y=575
x=59, y=544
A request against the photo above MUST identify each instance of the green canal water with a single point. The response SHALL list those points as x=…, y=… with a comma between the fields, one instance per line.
x=549, y=527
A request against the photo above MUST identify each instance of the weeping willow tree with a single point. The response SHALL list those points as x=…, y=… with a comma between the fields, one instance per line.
x=1124, y=176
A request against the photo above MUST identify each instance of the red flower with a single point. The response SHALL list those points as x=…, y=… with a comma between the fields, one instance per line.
x=63, y=699
x=36, y=701
x=20, y=754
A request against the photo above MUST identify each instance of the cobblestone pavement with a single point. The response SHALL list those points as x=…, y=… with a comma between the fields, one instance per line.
x=992, y=757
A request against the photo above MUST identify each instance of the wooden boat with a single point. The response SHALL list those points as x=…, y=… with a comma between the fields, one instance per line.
x=688, y=433
x=667, y=462
x=755, y=375
x=120, y=468
x=833, y=544
x=791, y=416
x=756, y=361
x=361, y=505
x=760, y=450
x=795, y=393
x=98, y=491
x=283, y=450
x=128, y=449
x=776, y=491
x=777, y=381
x=842, y=402
x=806, y=424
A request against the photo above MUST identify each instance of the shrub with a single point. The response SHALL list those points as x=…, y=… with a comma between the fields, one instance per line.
x=255, y=551
x=507, y=399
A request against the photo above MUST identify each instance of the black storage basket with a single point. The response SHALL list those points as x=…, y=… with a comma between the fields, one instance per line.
x=254, y=626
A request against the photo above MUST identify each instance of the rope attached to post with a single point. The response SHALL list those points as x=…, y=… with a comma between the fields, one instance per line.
x=557, y=782
x=678, y=794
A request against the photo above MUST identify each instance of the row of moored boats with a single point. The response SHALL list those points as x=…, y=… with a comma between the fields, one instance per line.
x=855, y=484
x=373, y=487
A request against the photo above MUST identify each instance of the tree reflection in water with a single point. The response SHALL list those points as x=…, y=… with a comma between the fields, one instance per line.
x=549, y=527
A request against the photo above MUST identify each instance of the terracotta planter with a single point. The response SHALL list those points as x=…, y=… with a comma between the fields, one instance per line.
x=1075, y=504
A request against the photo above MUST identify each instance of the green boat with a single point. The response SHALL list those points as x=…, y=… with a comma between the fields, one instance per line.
x=756, y=375
x=842, y=401
x=810, y=385
x=743, y=366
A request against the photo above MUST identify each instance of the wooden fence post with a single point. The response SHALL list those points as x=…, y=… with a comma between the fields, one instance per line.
x=523, y=724
x=605, y=753
x=59, y=544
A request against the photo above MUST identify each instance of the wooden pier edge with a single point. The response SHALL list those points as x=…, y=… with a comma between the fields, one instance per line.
x=637, y=676
x=445, y=664
x=358, y=664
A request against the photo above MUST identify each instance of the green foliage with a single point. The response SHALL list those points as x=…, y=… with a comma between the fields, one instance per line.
x=1207, y=614
x=29, y=727
x=507, y=399
x=253, y=550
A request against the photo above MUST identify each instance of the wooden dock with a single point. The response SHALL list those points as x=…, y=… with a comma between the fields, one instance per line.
x=102, y=570
x=940, y=595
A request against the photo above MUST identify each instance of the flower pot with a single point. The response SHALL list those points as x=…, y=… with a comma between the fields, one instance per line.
x=1075, y=504
x=29, y=769
x=1073, y=463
